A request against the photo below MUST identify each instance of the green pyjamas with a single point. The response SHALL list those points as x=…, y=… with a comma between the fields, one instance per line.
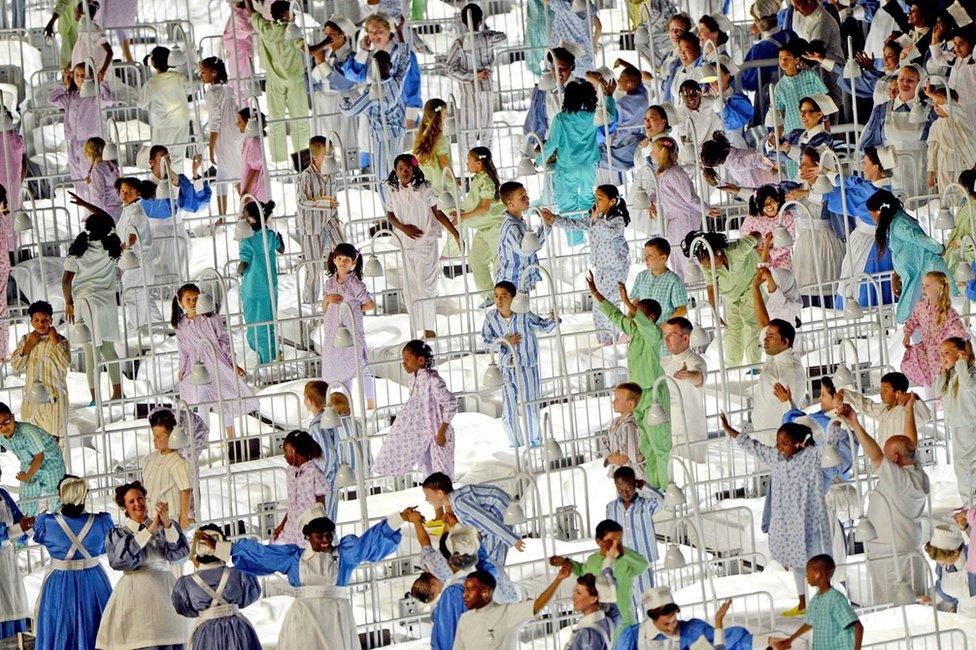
x=734, y=284
x=483, y=255
x=285, y=88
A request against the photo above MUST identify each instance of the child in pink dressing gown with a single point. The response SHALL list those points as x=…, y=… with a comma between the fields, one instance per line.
x=4, y=273
x=239, y=51
x=305, y=483
x=935, y=320
x=226, y=378
x=254, y=168
x=13, y=165
x=345, y=284
x=421, y=433
x=764, y=207
x=82, y=120
x=101, y=179
x=746, y=169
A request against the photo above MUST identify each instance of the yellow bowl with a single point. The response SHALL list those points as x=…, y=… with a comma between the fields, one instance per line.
x=435, y=526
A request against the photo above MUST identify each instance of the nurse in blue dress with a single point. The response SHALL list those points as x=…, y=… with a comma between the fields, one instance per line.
x=214, y=595
x=663, y=624
x=75, y=588
x=321, y=615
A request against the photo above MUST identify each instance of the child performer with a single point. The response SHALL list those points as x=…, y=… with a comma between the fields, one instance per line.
x=832, y=619
x=144, y=547
x=799, y=528
x=432, y=146
x=345, y=285
x=41, y=461
x=634, y=510
x=316, y=399
x=622, y=444
x=659, y=282
x=227, y=386
x=674, y=198
x=91, y=275
x=253, y=165
x=478, y=97
x=609, y=254
x=764, y=217
x=632, y=103
x=511, y=259
x=165, y=473
x=224, y=139
x=13, y=166
x=935, y=320
x=422, y=431
x=163, y=96
x=238, y=48
x=44, y=356
x=15, y=610
x=306, y=485
x=64, y=15
x=213, y=594
x=318, y=221
x=958, y=250
x=136, y=234
x=523, y=384
x=746, y=169
x=412, y=209
x=321, y=616
x=76, y=581
x=643, y=368
x=259, y=291
x=82, y=119
x=350, y=433
x=482, y=210
x=101, y=179
x=957, y=385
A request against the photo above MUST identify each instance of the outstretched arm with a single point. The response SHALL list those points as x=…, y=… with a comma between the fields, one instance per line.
x=871, y=448
x=546, y=596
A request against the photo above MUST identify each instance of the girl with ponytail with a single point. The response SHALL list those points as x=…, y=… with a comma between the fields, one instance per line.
x=482, y=211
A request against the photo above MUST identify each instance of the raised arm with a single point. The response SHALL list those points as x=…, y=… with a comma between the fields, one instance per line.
x=870, y=446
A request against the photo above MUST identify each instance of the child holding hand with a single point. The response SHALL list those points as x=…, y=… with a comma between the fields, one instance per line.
x=44, y=356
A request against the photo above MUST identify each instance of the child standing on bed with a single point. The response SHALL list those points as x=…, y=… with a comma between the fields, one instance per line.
x=259, y=290
x=306, y=485
x=345, y=285
x=254, y=168
x=934, y=319
x=44, y=356
x=422, y=432
x=82, y=119
x=523, y=385
x=101, y=179
x=224, y=138
x=227, y=387
x=799, y=527
x=483, y=211
x=316, y=399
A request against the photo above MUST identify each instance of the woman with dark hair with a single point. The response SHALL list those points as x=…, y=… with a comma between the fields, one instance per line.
x=663, y=626
x=591, y=597
x=913, y=253
x=422, y=432
x=164, y=97
x=75, y=590
x=572, y=141
x=144, y=547
x=321, y=615
x=91, y=275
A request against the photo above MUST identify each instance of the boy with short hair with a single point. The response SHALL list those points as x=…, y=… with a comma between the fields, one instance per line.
x=626, y=564
x=318, y=221
x=348, y=430
x=44, y=356
x=622, y=444
x=523, y=383
x=890, y=413
x=834, y=622
x=511, y=259
x=316, y=396
x=660, y=283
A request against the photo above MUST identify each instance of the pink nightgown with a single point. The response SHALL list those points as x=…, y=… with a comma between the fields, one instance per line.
x=252, y=159
x=239, y=52
x=82, y=120
x=779, y=258
x=922, y=362
x=11, y=171
x=305, y=484
x=339, y=364
x=411, y=438
x=101, y=188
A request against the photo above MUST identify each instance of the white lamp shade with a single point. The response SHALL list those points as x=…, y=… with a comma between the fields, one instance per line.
x=843, y=377
x=865, y=532
x=110, y=152
x=242, y=230
x=579, y=6
x=919, y=113
x=641, y=36
x=904, y=594
x=520, y=304
x=253, y=128
x=345, y=477
x=823, y=185
x=674, y=496
x=852, y=70
x=372, y=268
x=553, y=449
x=655, y=415
x=447, y=201
x=88, y=89
x=547, y=83
x=694, y=275
x=293, y=32
x=330, y=165
x=526, y=167
x=964, y=273
x=205, y=304
x=493, y=376
x=129, y=260
x=528, y=146
x=530, y=243
x=343, y=338
x=830, y=457
x=699, y=337
x=852, y=308
x=946, y=220
x=330, y=419
x=640, y=200
x=513, y=513
x=80, y=334
x=782, y=237
x=22, y=222
x=376, y=91
x=38, y=394
x=674, y=559
x=176, y=58
x=178, y=438
x=199, y=375
x=450, y=124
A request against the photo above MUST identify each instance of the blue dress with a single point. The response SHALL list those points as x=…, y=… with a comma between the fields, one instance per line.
x=75, y=589
x=913, y=254
x=736, y=638
x=221, y=626
x=257, y=302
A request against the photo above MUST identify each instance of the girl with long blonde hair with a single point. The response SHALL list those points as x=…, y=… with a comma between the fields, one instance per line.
x=934, y=320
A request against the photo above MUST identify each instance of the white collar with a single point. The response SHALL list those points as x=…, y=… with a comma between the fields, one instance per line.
x=132, y=524
x=590, y=620
x=814, y=131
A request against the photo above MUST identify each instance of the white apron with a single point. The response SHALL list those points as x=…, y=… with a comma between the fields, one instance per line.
x=817, y=254
x=125, y=625
x=321, y=615
x=910, y=170
x=13, y=598
x=859, y=245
